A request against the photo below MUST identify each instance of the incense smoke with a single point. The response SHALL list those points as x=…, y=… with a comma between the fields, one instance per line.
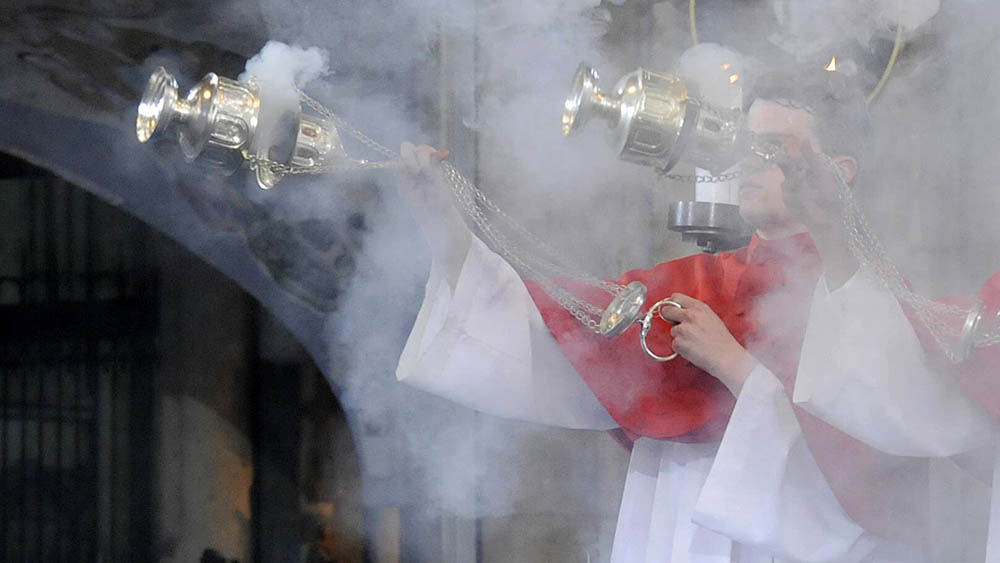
x=928, y=193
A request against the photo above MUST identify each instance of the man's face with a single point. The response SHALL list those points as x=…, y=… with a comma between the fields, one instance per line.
x=761, y=202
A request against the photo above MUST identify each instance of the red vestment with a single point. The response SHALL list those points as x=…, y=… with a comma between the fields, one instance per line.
x=762, y=293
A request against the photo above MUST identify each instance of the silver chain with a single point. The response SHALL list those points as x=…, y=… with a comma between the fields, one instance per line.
x=529, y=255
x=282, y=169
x=767, y=156
x=701, y=179
x=537, y=261
x=943, y=321
x=476, y=205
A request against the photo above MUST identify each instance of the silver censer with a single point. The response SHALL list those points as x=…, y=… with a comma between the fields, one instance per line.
x=657, y=120
x=217, y=121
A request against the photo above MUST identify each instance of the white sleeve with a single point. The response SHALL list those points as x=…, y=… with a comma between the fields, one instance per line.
x=863, y=371
x=765, y=489
x=484, y=344
x=993, y=534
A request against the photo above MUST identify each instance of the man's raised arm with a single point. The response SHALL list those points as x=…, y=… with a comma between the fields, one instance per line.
x=863, y=369
x=479, y=340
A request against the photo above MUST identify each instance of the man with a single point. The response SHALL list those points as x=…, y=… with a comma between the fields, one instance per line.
x=482, y=338
x=869, y=390
x=863, y=373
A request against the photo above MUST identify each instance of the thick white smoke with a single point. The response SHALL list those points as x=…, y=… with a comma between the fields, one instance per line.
x=506, y=66
x=526, y=57
x=276, y=70
x=807, y=27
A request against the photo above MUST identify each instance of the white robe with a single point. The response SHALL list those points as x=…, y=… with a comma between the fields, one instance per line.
x=863, y=371
x=756, y=496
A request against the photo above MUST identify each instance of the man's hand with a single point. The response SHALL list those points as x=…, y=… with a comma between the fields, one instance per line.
x=702, y=339
x=422, y=184
x=421, y=160
x=420, y=179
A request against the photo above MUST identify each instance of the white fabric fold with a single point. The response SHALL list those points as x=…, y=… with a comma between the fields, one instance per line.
x=993, y=544
x=655, y=519
x=765, y=488
x=485, y=345
x=863, y=371
x=482, y=343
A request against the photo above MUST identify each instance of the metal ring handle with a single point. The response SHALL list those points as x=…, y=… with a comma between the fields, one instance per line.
x=647, y=324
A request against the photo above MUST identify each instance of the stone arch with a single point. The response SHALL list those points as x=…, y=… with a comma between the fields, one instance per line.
x=254, y=440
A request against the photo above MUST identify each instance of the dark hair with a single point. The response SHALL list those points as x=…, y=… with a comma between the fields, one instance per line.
x=837, y=103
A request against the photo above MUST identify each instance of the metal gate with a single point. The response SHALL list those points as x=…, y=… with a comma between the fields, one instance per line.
x=78, y=313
